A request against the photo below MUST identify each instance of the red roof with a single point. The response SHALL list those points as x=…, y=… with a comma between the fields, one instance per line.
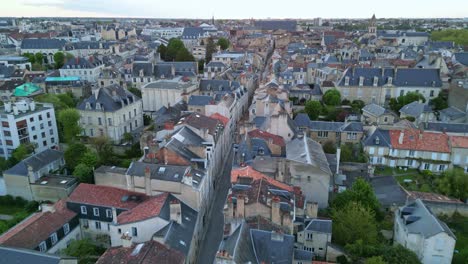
x=105, y=196
x=256, y=175
x=414, y=139
x=220, y=117
x=277, y=140
x=459, y=141
x=38, y=227
x=145, y=210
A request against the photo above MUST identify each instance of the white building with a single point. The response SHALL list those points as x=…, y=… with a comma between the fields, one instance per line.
x=111, y=111
x=86, y=69
x=420, y=231
x=165, y=93
x=27, y=122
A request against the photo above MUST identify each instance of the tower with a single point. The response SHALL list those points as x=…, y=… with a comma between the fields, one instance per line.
x=372, y=26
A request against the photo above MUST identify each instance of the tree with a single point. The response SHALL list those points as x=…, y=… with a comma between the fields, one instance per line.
x=361, y=192
x=68, y=56
x=402, y=100
x=359, y=249
x=399, y=255
x=162, y=50
x=184, y=55
x=73, y=155
x=59, y=59
x=22, y=151
x=201, y=65
x=375, y=260
x=59, y=105
x=147, y=119
x=84, y=250
x=104, y=150
x=354, y=222
x=313, y=109
x=357, y=105
x=83, y=173
x=30, y=56
x=39, y=58
x=68, y=120
x=459, y=36
x=173, y=48
x=135, y=91
x=128, y=137
x=67, y=99
x=453, y=183
x=329, y=147
x=89, y=159
x=440, y=102
x=223, y=43
x=210, y=49
x=332, y=97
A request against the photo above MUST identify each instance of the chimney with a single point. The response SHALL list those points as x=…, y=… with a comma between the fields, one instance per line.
x=114, y=215
x=338, y=157
x=32, y=177
x=47, y=207
x=240, y=206
x=15, y=110
x=277, y=236
x=287, y=222
x=402, y=135
x=275, y=210
x=311, y=210
x=176, y=211
x=126, y=240
x=8, y=107
x=230, y=213
x=148, y=180
x=169, y=125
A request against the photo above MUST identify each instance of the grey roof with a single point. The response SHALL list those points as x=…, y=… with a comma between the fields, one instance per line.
x=380, y=138
x=422, y=220
x=82, y=63
x=374, y=109
x=400, y=77
x=179, y=236
x=192, y=33
x=452, y=113
x=145, y=67
x=181, y=149
x=267, y=249
x=441, y=44
x=83, y=45
x=303, y=255
x=200, y=100
x=36, y=161
x=325, y=126
x=168, y=84
x=218, y=64
x=110, y=98
x=320, y=225
x=447, y=127
x=182, y=66
x=302, y=120
x=388, y=191
x=308, y=151
x=42, y=44
x=6, y=71
x=218, y=86
x=288, y=25
x=415, y=109
x=462, y=57
x=163, y=71
x=17, y=256
x=260, y=122
x=158, y=171
x=231, y=242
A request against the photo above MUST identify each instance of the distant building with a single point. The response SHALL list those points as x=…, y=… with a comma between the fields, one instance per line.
x=86, y=69
x=165, y=93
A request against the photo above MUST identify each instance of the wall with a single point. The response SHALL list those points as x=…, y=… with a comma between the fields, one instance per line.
x=447, y=208
x=145, y=230
x=74, y=234
x=18, y=186
x=50, y=193
x=315, y=189
x=438, y=249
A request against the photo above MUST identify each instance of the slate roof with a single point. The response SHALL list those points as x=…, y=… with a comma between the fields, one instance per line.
x=200, y=121
x=42, y=44
x=452, y=113
x=6, y=71
x=307, y=151
x=462, y=57
x=374, y=109
x=192, y=33
x=218, y=86
x=200, y=100
x=415, y=109
x=181, y=66
x=37, y=161
x=288, y=25
x=267, y=249
x=218, y=64
x=146, y=67
x=424, y=222
x=38, y=227
x=447, y=127
x=320, y=225
x=179, y=236
x=82, y=63
x=17, y=255
x=303, y=255
x=380, y=138
x=163, y=71
x=400, y=77
x=110, y=98
x=414, y=139
x=143, y=253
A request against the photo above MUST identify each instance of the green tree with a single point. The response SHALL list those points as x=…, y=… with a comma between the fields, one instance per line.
x=68, y=56
x=399, y=255
x=89, y=158
x=454, y=183
x=329, y=147
x=59, y=104
x=59, y=59
x=223, y=43
x=184, y=55
x=30, y=56
x=361, y=192
x=357, y=105
x=201, y=65
x=440, y=102
x=39, y=58
x=359, y=249
x=84, y=250
x=402, y=100
x=459, y=36
x=354, y=222
x=313, y=109
x=104, y=150
x=128, y=137
x=67, y=99
x=162, y=50
x=332, y=97
x=135, y=91
x=147, y=120
x=73, y=155
x=210, y=49
x=173, y=48
x=22, y=151
x=375, y=260
x=68, y=120
x=84, y=173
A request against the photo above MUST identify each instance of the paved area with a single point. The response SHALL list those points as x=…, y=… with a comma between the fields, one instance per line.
x=5, y=217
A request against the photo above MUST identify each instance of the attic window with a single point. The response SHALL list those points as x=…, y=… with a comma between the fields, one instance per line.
x=376, y=80
x=88, y=105
x=361, y=80
x=377, y=140
x=346, y=82
x=390, y=80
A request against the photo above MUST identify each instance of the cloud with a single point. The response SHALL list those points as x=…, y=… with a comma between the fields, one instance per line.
x=56, y=3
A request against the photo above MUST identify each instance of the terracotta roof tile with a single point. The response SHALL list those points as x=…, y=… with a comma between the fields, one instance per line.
x=414, y=139
x=256, y=175
x=147, y=209
x=105, y=196
x=277, y=140
x=459, y=141
x=220, y=117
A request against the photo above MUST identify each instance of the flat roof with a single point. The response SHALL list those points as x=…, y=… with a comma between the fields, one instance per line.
x=60, y=181
x=13, y=58
x=62, y=79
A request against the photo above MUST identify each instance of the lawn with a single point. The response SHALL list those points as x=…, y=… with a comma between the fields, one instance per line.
x=10, y=209
x=459, y=226
x=415, y=182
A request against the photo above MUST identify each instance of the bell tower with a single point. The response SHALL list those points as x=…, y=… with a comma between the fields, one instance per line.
x=372, y=26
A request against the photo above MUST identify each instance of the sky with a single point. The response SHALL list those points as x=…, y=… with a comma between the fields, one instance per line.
x=236, y=9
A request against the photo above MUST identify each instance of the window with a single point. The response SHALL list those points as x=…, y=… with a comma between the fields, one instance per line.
x=134, y=112
x=51, y=131
x=441, y=167
x=402, y=92
x=44, y=143
x=134, y=231
x=66, y=229
x=371, y=150
x=97, y=224
x=43, y=246
x=108, y=227
x=427, y=166
x=124, y=118
x=84, y=210
x=91, y=132
x=35, y=137
x=129, y=114
x=43, y=135
x=136, y=123
x=85, y=223
x=96, y=211
x=119, y=231
x=40, y=117
x=352, y=135
x=109, y=121
x=53, y=238
x=31, y=119
x=99, y=121
x=410, y=163
x=323, y=134
x=309, y=236
x=108, y=213
x=411, y=153
x=431, y=94
x=49, y=123
x=379, y=160
x=381, y=151
x=41, y=126
x=52, y=140
x=33, y=128
x=48, y=115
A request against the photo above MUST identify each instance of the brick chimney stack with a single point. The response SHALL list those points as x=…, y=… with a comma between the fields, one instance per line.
x=240, y=210
x=275, y=210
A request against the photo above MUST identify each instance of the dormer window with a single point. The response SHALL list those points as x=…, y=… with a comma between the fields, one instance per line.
x=346, y=81
x=98, y=106
x=376, y=80
x=88, y=106
x=390, y=80
x=361, y=80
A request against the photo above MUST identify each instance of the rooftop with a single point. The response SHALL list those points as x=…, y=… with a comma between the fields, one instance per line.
x=413, y=139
